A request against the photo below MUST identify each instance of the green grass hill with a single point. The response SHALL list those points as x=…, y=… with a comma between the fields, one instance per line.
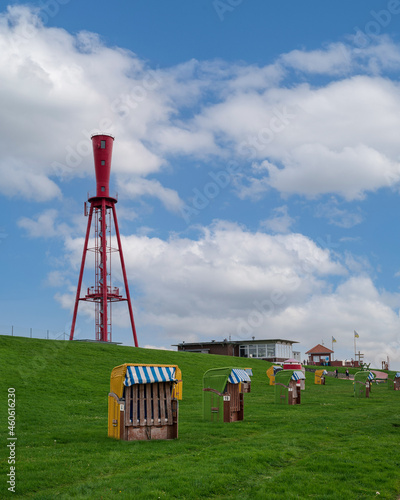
x=332, y=446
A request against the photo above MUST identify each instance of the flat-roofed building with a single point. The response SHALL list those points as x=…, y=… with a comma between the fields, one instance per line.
x=274, y=350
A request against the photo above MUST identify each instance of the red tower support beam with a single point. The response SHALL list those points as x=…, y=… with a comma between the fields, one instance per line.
x=121, y=256
x=78, y=291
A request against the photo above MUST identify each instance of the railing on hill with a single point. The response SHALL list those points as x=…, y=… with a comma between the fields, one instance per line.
x=29, y=332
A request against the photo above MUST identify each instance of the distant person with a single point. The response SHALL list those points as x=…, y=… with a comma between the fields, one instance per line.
x=347, y=373
x=336, y=373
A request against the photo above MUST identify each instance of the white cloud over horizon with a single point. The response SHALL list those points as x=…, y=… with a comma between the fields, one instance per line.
x=231, y=282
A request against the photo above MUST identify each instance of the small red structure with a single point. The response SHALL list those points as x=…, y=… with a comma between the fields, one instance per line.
x=319, y=355
x=102, y=211
x=292, y=364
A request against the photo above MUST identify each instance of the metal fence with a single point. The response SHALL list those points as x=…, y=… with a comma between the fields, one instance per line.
x=30, y=332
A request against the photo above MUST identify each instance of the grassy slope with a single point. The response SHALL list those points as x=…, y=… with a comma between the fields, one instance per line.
x=330, y=447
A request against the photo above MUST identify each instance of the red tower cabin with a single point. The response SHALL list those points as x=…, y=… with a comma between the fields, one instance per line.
x=102, y=215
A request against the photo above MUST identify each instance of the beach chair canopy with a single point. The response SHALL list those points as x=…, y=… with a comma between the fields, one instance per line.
x=282, y=381
x=364, y=376
x=217, y=378
x=238, y=375
x=148, y=374
x=298, y=375
x=131, y=373
x=285, y=376
x=360, y=383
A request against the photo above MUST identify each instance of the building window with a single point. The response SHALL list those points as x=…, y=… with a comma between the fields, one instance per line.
x=266, y=351
x=103, y=162
x=102, y=144
x=261, y=351
x=255, y=351
x=252, y=351
x=283, y=351
x=103, y=189
x=243, y=351
x=270, y=350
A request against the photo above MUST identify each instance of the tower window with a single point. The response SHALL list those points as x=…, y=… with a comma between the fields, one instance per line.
x=103, y=189
x=103, y=162
x=102, y=144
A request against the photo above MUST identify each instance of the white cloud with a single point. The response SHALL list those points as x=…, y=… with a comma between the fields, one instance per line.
x=280, y=222
x=221, y=275
x=355, y=305
x=315, y=169
x=381, y=54
x=338, y=216
x=54, y=99
x=42, y=225
x=231, y=281
x=49, y=224
x=336, y=59
x=26, y=181
x=357, y=264
x=144, y=187
x=57, y=88
x=334, y=139
x=251, y=187
x=181, y=141
x=56, y=279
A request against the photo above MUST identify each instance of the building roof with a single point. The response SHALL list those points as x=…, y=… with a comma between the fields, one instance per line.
x=320, y=349
x=236, y=342
x=210, y=342
x=273, y=341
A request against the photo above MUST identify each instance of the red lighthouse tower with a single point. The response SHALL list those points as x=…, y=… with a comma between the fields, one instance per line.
x=102, y=212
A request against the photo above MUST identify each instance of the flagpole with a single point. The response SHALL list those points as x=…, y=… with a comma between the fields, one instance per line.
x=355, y=348
x=333, y=341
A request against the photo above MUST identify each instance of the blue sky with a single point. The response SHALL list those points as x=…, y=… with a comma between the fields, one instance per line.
x=256, y=159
